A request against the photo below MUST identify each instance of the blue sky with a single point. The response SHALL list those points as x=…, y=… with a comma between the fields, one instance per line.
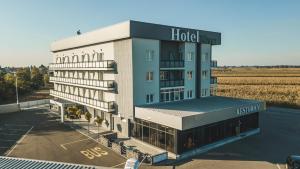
x=254, y=32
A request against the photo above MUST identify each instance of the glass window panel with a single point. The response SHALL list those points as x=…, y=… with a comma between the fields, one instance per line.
x=170, y=142
x=153, y=136
x=146, y=134
x=172, y=96
x=161, y=140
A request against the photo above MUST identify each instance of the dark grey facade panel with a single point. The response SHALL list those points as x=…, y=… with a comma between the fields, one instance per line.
x=171, y=33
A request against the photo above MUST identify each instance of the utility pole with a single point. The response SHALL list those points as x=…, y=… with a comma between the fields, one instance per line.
x=17, y=94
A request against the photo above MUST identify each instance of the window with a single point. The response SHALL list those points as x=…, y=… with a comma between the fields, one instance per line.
x=149, y=76
x=149, y=55
x=149, y=98
x=98, y=56
x=204, y=92
x=189, y=94
x=190, y=75
x=171, y=55
x=204, y=74
x=205, y=57
x=164, y=75
x=167, y=95
x=190, y=56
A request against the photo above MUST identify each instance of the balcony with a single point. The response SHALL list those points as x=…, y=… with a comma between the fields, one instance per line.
x=102, y=105
x=99, y=84
x=171, y=83
x=100, y=65
x=172, y=64
x=213, y=80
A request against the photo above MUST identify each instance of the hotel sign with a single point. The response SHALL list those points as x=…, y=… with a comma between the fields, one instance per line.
x=248, y=109
x=185, y=35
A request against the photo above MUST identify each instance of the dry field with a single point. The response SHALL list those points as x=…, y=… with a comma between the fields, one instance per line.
x=276, y=86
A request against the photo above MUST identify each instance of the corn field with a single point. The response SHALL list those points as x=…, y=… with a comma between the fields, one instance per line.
x=280, y=86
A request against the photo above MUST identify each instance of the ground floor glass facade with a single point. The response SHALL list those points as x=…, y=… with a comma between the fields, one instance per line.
x=178, y=142
x=155, y=134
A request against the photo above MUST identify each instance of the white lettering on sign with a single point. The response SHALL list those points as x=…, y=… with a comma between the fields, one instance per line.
x=248, y=109
x=187, y=36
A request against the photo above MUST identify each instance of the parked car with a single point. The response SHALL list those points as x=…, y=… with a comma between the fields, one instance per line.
x=293, y=162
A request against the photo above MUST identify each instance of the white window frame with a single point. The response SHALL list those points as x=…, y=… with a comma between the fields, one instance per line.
x=204, y=74
x=190, y=94
x=190, y=56
x=149, y=98
x=149, y=76
x=189, y=75
x=149, y=55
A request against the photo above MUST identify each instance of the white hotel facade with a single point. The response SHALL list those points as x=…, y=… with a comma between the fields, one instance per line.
x=150, y=82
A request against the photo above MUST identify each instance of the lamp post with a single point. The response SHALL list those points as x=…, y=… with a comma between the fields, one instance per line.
x=17, y=94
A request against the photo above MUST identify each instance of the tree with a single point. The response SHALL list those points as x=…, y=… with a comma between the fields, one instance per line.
x=43, y=69
x=99, y=121
x=88, y=117
x=36, y=78
x=24, y=80
x=2, y=86
x=46, y=80
x=8, y=86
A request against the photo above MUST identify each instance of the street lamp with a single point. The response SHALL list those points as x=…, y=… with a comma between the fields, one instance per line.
x=17, y=94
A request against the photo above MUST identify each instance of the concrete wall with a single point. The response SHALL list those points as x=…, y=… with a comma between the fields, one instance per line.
x=124, y=80
x=9, y=108
x=34, y=103
x=141, y=66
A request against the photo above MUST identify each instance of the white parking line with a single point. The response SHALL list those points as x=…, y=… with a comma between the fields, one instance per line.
x=64, y=147
x=18, y=142
x=277, y=165
x=118, y=165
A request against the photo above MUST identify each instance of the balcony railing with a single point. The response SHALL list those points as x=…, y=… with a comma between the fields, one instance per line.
x=108, y=84
x=171, y=63
x=213, y=80
x=103, y=105
x=107, y=64
x=171, y=83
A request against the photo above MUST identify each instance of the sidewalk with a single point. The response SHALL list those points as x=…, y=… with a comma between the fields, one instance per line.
x=82, y=126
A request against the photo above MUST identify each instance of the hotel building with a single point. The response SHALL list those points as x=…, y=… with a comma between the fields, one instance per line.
x=150, y=82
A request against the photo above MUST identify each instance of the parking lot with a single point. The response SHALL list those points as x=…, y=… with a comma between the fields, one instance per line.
x=42, y=137
x=10, y=134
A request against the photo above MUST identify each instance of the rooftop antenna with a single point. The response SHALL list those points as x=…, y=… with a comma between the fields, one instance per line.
x=78, y=32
